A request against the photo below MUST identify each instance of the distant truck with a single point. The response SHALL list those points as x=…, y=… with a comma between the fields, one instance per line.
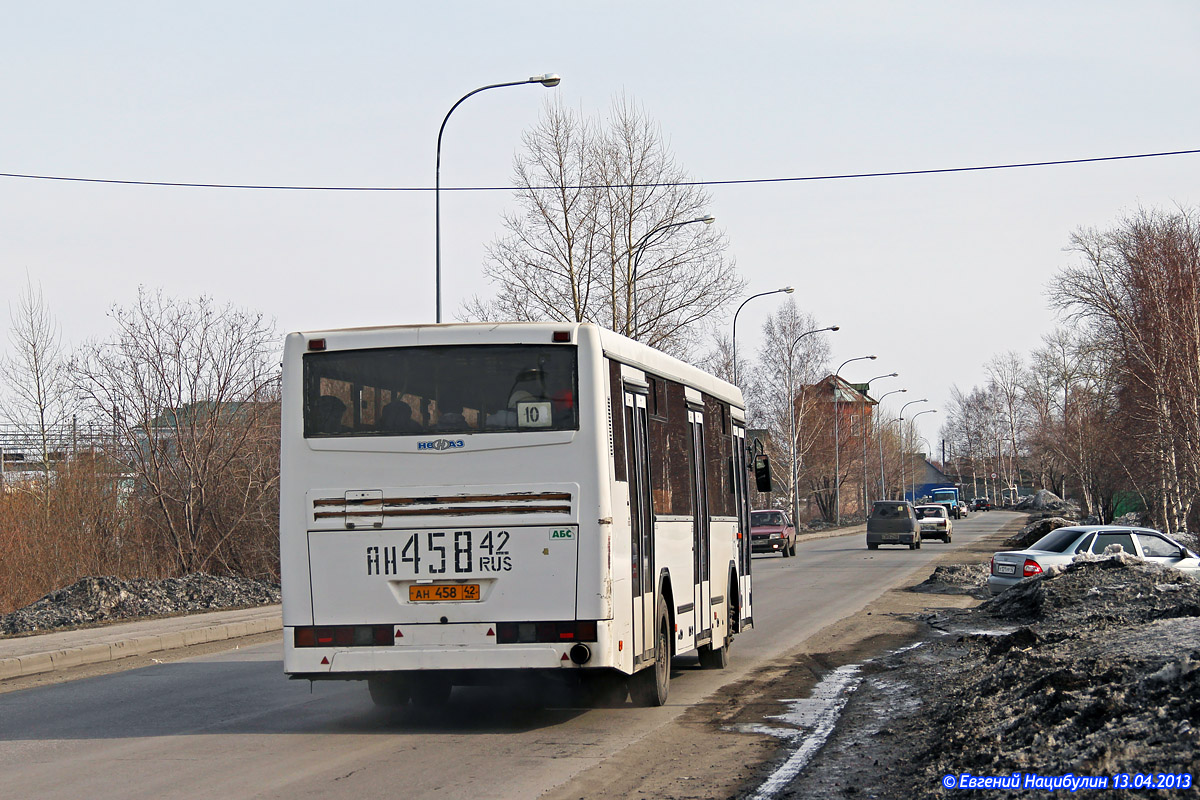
x=947, y=497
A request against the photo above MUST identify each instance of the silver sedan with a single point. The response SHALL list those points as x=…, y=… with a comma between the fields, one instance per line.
x=1059, y=548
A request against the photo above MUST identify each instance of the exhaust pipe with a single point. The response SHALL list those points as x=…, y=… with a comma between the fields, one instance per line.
x=580, y=654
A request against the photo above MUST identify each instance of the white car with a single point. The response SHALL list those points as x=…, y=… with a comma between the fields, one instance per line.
x=935, y=523
x=1059, y=548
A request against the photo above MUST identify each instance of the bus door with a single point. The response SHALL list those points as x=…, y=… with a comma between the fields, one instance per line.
x=701, y=541
x=641, y=529
x=741, y=494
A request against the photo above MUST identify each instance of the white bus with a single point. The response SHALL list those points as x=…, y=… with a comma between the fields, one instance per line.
x=464, y=503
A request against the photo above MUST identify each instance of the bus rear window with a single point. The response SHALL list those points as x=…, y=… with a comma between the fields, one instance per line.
x=445, y=389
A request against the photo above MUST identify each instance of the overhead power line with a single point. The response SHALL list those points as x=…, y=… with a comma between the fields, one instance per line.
x=731, y=182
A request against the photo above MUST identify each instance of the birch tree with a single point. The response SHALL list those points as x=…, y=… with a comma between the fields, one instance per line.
x=604, y=233
x=34, y=372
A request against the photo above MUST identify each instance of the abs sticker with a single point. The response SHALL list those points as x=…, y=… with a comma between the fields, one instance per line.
x=559, y=534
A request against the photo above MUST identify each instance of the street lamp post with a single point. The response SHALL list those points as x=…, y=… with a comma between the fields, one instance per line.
x=792, y=418
x=902, y=459
x=914, y=475
x=837, y=445
x=638, y=249
x=862, y=427
x=879, y=439
x=785, y=289
x=548, y=80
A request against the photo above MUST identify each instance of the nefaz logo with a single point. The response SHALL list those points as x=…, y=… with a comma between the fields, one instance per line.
x=441, y=444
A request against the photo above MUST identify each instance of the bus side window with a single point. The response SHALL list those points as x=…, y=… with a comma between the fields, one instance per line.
x=617, y=419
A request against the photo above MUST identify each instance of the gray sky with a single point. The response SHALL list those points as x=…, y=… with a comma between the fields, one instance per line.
x=933, y=273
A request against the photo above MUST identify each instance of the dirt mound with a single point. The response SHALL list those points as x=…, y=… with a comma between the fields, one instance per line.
x=103, y=599
x=969, y=579
x=1043, y=501
x=1034, y=531
x=1100, y=593
x=1092, y=669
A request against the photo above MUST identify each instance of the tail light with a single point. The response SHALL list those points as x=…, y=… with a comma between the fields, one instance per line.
x=1031, y=568
x=992, y=565
x=344, y=636
x=545, y=632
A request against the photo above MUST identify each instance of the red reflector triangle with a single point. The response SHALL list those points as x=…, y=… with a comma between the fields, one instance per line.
x=491, y=632
x=399, y=635
x=325, y=660
x=564, y=658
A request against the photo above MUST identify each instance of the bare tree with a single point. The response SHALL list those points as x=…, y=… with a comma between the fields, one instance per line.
x=1138, y=286
x=1007, y=377
x=192, y=388
x=34, y=370
x=787, y=361
x=602, y=234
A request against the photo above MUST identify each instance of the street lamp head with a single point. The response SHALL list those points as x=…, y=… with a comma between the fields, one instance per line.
x=872, y=357
x=709, y=220
x=893, y=375
x=786, y=289
x=549, y=79
x=833, y=328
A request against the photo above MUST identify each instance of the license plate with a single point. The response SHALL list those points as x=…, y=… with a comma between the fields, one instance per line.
x=1006, y=569
x=443, y=592
x=891, y=538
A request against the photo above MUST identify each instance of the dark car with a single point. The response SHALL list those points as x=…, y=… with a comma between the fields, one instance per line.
x=893, y=522
x=771, y=531
x=981, y=504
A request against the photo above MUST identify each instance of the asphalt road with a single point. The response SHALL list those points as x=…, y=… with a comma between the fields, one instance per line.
x=230, y=725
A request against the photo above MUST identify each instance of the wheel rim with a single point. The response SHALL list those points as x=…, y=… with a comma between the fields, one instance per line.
x=663, y=662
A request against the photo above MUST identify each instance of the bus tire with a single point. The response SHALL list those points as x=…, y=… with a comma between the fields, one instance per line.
x=388, y=691
x=431, y=692
x=651, y=686
x=604, y=689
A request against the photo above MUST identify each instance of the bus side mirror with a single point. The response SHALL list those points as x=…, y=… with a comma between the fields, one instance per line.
x=762, y=473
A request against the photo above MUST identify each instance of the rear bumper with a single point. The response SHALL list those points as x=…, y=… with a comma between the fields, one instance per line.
x=442, y=647
x=998, y=583
x=891, y=538
x=767, y=545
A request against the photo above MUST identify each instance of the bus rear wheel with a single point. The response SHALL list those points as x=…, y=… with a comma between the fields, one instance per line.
x=604, y=689
x=651, y=686
x=431, y=692
x=388, y=691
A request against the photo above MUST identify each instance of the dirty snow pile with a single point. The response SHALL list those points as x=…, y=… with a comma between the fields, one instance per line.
x=1091, y=669
x=969, y=579
x=1047, y=502
x=103, y=599
x=1034, y=531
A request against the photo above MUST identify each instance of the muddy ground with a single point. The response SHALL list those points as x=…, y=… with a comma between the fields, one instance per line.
x=711, y=751
x=1094, y=670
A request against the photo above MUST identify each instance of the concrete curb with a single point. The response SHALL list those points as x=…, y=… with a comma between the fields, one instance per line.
x=35, y=663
